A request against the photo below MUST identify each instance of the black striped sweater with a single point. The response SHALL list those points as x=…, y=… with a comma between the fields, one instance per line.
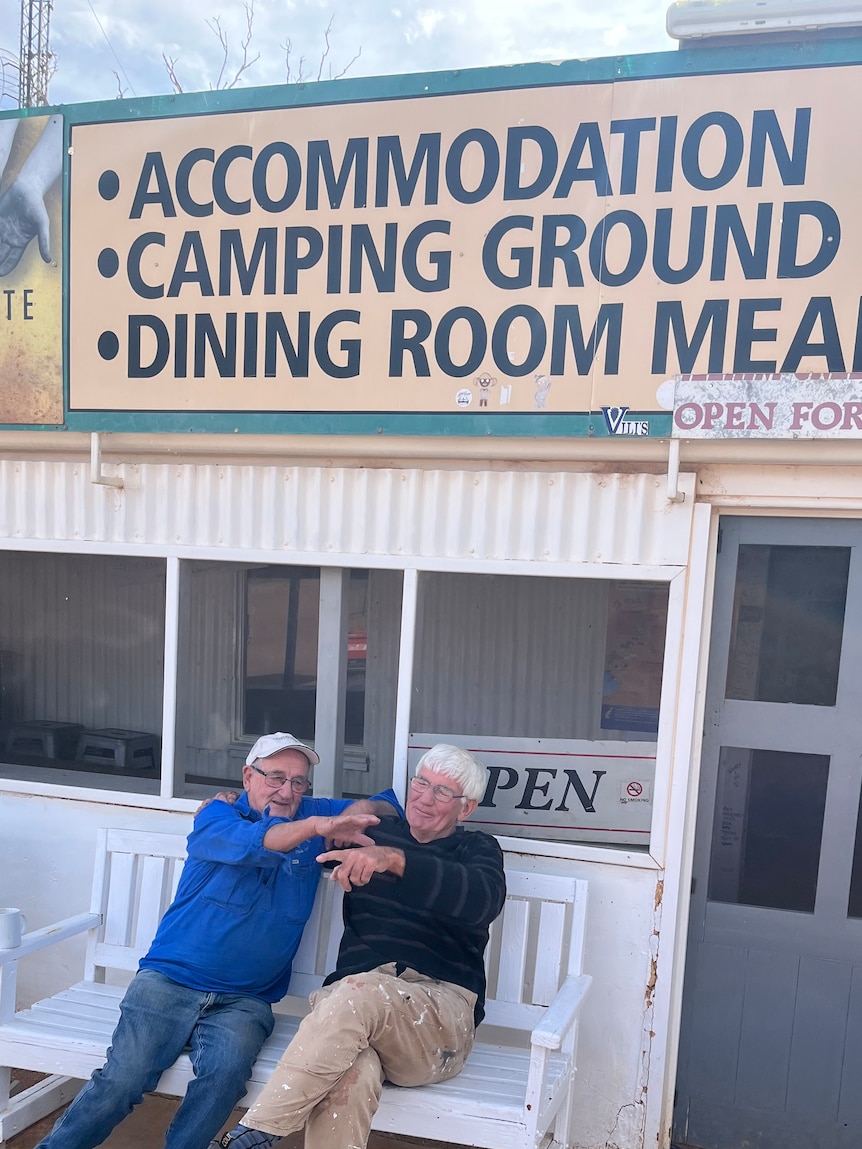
x=435, y=918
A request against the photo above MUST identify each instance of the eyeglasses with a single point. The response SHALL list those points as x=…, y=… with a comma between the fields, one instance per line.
x=442, y=794
x=276, y=781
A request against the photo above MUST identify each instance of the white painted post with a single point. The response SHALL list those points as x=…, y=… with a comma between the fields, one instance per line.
x=331, y=682
x=169, y=688
x=404, y=693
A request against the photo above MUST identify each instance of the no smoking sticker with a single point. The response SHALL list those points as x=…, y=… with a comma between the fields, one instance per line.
x=635, y=790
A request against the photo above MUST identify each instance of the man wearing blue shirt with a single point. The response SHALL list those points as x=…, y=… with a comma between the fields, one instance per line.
x=223, y=951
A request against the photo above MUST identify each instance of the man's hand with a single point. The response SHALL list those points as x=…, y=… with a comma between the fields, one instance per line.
x=347, y=829
x=229, y=796
x=357, y=867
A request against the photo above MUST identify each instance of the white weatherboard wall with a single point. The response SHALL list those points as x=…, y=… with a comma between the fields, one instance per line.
x=569, y=523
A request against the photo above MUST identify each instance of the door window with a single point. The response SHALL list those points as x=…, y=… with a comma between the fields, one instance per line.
x=788, y=616
x=768, y=828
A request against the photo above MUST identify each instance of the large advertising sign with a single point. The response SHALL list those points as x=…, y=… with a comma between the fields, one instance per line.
x=554, y=249
x=579, y=249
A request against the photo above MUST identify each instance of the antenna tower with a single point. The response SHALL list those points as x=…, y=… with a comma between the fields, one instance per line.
x=36, y=57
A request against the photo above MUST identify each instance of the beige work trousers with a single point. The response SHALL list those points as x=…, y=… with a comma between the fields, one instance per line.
x=367, y=1028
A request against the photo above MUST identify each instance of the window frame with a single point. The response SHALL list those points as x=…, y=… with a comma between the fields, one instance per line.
x=679, y=705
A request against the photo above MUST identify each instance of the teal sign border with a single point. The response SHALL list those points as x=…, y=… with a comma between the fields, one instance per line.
x=748, y=57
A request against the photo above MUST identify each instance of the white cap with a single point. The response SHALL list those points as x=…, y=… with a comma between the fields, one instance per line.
x=269, y=744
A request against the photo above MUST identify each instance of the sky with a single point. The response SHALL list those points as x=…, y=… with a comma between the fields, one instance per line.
x=106, y=48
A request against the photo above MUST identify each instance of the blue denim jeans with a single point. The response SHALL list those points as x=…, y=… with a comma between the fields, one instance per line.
x=158, y=1020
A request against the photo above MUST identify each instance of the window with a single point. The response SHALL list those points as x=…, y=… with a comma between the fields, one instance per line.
x=250, y=663
x=81, y=669
x=766, y=841
x=282, y=607
x=555, y=684
x=788, y=621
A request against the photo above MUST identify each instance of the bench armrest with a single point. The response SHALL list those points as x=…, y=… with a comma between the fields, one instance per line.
x=48, y=935
x=561, y=1014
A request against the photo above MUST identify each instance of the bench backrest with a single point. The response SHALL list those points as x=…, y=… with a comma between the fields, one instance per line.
x=134, y=881
x=535, y=944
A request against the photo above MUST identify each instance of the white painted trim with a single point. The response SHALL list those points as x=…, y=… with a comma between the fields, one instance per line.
x=670, y=685
x=331, y=682
x=579, y=852
x=96, y=475
x=404, y=690
x=674, y=494
x=849, y=504
x=169, y=689
x=329, y=559
x=672, y=923
x=100, y=797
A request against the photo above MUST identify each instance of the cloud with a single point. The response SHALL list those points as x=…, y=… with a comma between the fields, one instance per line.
x=615, y=36
x=129, y=36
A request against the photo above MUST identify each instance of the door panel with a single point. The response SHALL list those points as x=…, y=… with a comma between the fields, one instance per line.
x=771, y=1035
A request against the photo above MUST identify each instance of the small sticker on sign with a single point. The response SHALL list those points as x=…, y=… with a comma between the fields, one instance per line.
x=635, y=790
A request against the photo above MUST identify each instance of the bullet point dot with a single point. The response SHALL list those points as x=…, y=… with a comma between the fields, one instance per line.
x=109, y=185
x=108, y=262
x=109, y=345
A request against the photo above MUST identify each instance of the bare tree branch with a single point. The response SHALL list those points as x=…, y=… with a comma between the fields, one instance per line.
x=347, y=66
x=246, y=63
x=215, y=27
x=289, y=76
x=170, y=68
x=121, y=91
x=325, y=51
x=300, y=76
x=292, y=75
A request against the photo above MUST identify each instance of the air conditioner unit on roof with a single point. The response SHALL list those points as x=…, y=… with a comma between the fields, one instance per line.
x=693, y=19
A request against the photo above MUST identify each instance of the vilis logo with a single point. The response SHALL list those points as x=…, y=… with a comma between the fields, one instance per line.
x=617, y=423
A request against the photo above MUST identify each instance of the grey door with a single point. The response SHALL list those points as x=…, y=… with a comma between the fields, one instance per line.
x=771, y=1041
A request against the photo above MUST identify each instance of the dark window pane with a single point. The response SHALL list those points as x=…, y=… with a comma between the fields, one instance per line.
x=82, y=641
x=769, y=809
x=282, y=611
x=854, y=907
x=788, y=618
x=282, y=608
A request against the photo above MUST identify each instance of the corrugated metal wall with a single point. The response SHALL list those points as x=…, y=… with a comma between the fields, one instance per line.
x=504, y=515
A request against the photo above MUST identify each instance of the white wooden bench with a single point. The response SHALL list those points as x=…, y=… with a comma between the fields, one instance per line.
x=514, y=1091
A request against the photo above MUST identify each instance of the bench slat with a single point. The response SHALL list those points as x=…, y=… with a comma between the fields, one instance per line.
x=546, y=980
x=513, y=951
x=119, y=905
x=152, y=902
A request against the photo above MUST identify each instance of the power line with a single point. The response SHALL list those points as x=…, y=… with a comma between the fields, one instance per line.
x=111, y=46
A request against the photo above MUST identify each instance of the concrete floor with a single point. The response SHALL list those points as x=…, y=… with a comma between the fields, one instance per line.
x=145, y=1128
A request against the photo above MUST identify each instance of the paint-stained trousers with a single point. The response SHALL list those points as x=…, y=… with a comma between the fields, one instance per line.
x=367, y=1028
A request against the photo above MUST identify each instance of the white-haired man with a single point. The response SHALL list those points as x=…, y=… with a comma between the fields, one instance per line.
x=223, y=951
x=408, y=989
